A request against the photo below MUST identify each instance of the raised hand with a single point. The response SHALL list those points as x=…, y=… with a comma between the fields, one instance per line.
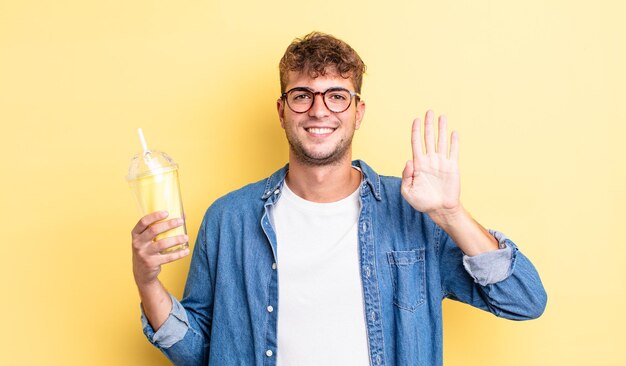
x=430, y=182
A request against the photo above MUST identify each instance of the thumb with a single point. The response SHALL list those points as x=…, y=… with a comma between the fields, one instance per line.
x=407, y=173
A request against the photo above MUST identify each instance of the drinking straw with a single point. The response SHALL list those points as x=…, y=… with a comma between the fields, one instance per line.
x=143, y=141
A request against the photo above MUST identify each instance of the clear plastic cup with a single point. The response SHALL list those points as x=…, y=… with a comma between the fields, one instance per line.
x=153, y=179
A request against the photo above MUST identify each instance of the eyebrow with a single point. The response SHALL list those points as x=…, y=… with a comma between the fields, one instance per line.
x=314, y=91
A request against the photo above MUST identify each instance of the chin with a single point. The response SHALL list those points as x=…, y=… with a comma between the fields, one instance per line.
x=334, y=158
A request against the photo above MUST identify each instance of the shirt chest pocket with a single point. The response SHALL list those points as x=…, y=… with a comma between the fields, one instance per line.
x=408, y=274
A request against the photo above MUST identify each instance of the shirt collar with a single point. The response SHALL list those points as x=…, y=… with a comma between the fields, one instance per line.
x=370, y=177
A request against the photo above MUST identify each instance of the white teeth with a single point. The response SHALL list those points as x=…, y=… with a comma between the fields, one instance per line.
x=320, y=131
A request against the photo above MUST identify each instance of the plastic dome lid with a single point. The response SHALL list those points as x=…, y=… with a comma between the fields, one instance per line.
x=150, y=163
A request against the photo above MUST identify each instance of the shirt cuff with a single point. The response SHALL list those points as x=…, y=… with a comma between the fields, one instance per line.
x=172, y=331
x=494, y=266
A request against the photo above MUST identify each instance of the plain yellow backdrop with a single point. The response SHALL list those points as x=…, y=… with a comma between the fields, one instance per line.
x=535, y=89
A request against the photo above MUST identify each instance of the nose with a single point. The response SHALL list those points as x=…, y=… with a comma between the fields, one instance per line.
x=319, y=109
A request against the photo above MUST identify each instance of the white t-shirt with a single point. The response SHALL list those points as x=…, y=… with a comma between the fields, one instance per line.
x=321, y=316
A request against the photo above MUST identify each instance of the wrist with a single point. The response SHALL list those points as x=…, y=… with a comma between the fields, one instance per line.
x=449, y=217
x=468, y=234
x=146, y=285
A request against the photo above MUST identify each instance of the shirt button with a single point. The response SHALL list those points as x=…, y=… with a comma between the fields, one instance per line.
x=277, y=191
x=378, y=359
x=273, y=265
x=269, y=353
x=270, y=308
x=367, y=271
x=364, y=227
x=373, y=315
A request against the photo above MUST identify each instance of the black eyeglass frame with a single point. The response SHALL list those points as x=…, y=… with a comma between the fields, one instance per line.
x=323, y=94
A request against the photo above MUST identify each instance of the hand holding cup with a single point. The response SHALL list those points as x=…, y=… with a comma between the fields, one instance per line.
x=149, y=253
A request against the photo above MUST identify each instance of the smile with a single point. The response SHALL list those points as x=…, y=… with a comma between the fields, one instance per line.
x=320, y=130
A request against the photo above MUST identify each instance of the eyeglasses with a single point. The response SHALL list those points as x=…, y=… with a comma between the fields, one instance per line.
x=337, y=100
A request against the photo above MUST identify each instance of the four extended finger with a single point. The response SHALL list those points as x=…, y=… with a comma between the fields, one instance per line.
x=442, y=144
x=454, y=146
x=416, y=139
x=429, y=133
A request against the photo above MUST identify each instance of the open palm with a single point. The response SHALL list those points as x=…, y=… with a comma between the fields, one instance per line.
x=430, y=182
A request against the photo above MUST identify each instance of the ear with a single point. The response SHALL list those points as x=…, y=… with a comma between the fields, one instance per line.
x=280, y=108
x=360, y=112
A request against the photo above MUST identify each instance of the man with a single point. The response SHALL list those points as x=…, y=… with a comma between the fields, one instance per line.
x=326, y=262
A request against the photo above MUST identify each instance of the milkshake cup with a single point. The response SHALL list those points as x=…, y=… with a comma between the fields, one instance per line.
x=153, y=179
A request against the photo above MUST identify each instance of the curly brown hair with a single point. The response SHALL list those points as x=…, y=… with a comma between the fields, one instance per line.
x=318, y=53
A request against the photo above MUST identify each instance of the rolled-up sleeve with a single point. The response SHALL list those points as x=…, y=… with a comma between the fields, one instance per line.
x=494, y=266
x=503, y=282
x=173, y=329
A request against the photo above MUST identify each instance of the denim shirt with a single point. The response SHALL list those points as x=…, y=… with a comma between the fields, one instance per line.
x=228, y=314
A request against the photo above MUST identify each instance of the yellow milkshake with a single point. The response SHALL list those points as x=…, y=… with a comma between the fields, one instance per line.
x=153, y=179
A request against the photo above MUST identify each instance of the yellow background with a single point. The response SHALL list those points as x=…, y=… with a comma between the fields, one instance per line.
x=533, y=87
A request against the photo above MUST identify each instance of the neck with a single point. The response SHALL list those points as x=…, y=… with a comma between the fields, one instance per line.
x=323, y=184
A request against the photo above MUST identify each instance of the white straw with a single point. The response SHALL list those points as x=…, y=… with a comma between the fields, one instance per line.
x=143, y=141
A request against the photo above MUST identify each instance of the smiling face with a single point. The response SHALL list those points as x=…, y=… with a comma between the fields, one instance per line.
x=320, y=137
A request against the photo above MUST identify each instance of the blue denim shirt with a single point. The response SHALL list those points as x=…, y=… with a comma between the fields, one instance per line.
x=408, y=266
